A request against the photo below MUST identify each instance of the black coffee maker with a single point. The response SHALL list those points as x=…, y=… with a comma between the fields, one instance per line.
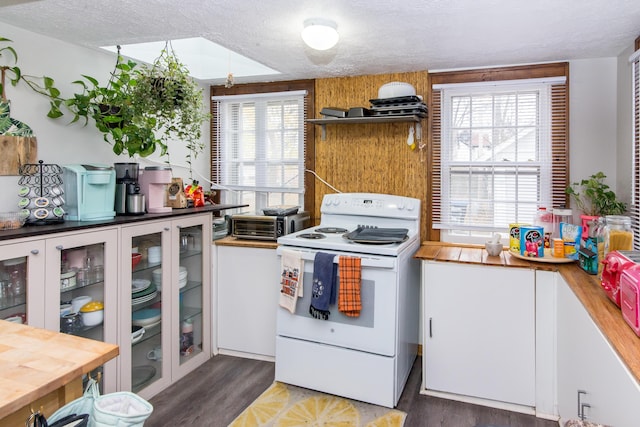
x=129, y=200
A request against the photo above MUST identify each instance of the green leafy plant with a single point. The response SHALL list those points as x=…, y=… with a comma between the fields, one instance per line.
x=594, y=197
x=43, y=85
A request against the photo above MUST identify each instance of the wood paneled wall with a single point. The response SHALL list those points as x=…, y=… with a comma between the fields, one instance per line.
x=371, y=157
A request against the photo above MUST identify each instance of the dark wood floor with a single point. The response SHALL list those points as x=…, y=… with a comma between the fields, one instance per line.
x=215, y=393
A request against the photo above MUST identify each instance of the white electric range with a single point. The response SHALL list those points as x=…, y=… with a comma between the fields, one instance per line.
x=368, y=357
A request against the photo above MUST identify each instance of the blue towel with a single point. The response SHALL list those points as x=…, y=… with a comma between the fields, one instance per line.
x=323, y=290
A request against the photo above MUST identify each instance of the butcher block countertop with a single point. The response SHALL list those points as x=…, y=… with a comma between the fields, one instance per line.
x=605, y=314
x=246, y=243
x=35, y=362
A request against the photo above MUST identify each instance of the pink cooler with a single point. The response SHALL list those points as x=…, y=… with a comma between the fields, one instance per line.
x=630, y=297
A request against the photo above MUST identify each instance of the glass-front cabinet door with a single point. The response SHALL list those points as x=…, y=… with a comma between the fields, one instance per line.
x=21, y=281
x=81, y=295
x=167, y=285
x=192, y=279
x=146, y=308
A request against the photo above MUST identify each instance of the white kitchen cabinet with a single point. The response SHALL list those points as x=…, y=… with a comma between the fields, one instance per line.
x=247, y=283
x=179, y=291
x=593, y=383
x=479, y=333
x=21, y=277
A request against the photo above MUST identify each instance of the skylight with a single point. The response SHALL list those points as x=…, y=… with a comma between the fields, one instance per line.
x=204, y=59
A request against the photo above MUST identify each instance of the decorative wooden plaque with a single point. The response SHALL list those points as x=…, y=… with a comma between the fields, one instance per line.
x=16, y=151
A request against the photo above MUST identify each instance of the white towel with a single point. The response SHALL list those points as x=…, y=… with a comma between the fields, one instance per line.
x=291, y=279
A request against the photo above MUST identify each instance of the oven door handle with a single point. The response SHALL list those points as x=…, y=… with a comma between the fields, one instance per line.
x=365, y=260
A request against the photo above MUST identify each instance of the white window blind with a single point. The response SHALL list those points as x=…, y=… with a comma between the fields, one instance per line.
x=495, y=154
x=261, y=143
x=635, y=196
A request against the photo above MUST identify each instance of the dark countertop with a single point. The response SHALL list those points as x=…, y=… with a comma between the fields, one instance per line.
x=605, y=314
x=38, y=230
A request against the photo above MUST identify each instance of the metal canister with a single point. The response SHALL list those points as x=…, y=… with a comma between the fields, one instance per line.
x=514, y=237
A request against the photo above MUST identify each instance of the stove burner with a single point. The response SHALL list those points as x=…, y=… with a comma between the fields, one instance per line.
x=331, y=230
x=311, y=236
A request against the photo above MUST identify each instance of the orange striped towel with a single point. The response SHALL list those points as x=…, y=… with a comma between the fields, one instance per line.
x=349, y=289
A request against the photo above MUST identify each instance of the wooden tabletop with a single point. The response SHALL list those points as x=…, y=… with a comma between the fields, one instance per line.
x=604, y=313
x=35, y=362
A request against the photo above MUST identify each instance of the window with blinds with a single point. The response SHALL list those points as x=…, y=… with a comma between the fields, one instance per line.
x=634, y=207
x=261, y=148
x=500, y=151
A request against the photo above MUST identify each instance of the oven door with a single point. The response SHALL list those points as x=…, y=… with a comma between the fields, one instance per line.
x=373, y=331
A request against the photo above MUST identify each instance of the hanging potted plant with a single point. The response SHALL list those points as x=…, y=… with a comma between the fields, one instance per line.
x=166, y=91
x=113, y=110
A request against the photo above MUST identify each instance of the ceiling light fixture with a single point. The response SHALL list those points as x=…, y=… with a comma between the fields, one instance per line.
x=320, y=34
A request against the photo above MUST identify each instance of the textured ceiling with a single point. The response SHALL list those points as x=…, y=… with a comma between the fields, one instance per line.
x=376, y=36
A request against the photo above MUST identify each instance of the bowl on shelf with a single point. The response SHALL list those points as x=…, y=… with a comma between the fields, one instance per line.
x=78, y=302
x=396, y=90
x=135, y=259
x=92, y=313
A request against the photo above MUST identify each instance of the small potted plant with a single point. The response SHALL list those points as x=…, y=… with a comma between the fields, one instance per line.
x=595, y=199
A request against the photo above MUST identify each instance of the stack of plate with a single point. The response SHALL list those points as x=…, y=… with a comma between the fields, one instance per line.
x=156, y=278
x=182, y=277
x=142, y=290
x=147, y=317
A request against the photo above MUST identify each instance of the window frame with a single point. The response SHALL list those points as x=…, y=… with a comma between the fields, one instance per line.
x=634, y=206
x=559, y=126
x=251, y=88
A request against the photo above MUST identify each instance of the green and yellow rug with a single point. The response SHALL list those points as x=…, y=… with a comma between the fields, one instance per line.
x=283, y=405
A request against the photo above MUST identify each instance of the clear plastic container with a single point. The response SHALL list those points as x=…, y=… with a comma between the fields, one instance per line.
x=560, y=215
x=618, y=235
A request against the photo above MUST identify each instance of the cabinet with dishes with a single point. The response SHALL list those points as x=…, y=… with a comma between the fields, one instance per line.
x=80, y=293
x=168, y=331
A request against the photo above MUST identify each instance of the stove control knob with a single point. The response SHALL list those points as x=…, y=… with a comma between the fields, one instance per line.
x=410, y=207
x=401, y=206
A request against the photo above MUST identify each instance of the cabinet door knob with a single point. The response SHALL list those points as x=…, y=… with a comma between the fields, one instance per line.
x=35, y=251
x=166, y=229
x=59, y=247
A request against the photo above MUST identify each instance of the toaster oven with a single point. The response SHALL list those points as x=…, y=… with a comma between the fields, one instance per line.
x=614, y=264
x=267, y=227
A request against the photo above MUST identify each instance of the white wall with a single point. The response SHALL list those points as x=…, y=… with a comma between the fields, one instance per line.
x=58, y=142
x=624, y=157
x=593, y=123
